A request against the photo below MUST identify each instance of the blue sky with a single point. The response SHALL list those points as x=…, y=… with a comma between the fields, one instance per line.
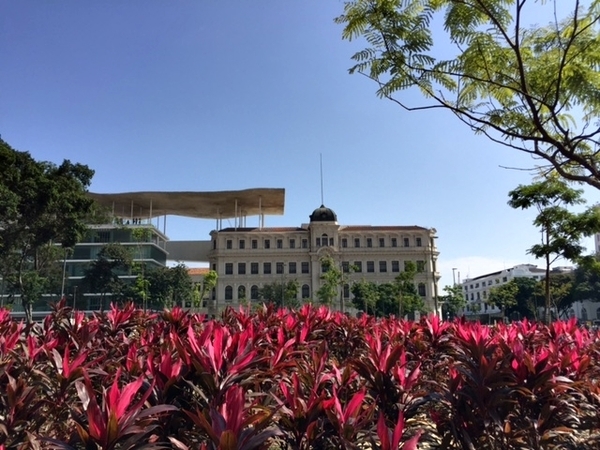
x=220, y=95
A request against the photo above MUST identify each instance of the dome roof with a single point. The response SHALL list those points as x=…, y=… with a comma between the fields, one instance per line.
x=323, y=214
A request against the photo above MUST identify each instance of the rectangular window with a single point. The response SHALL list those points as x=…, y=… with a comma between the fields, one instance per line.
x=420, y=266
x=383, y=266
x=421, y=290
x=369, y=242
x=228, y=268
x=279, y=268
x=241, y=268
x=305, y=267
x=254, y=244
x=292, y=243
x=292, y=267
x=394, y=242
x=418, y=242
x=497, y=281
x=344, y=243
x=304, y=243
x=505, y=279
x=345, y=266
x=370, y=266
x=357, y=242
x=396, y=266
x=267, y=268
x=406, y=242
x=476, y=285
x=279, y=243
x=242, y=244
x=267, y=243
x=229, y=244
x=358, y=266
x=382, y=242
x=254, y=268
x=214, y=267
x=103, y=236
x=331, y=241
x=318, y=242
x=484, y=294
x=489, y=282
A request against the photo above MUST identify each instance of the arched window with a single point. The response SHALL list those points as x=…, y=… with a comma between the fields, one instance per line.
x=324, y=240
x=584, y=314
x=305, y=291
x=254, y=292
x=228, y=293
x=422, y=291
x=241, y=292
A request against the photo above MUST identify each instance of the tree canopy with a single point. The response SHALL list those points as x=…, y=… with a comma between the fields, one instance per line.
x=562, y=230
x=282, y=294
x=532, y=88
x=41, y=204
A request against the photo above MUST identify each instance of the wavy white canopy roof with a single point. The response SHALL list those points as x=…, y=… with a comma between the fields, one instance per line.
x=203, y=205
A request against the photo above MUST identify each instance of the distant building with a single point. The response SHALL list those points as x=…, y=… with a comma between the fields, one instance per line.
x=476, y=290
x=246, y=258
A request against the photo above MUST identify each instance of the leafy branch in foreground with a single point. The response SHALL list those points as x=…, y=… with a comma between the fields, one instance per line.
x=533, y=89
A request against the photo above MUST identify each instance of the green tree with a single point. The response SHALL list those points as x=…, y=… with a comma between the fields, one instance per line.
x=528, y=297
x=331, y=280
x=562, y=292
x=561, y=229
x=204, y=289
x=454, y=300
x=168, y=286
x=504, y=296
x=365, y=296
x=103, y=274
x=284, y=294
x=41, y=204
x=409, y=299
x=587, y=279
x=536, y=89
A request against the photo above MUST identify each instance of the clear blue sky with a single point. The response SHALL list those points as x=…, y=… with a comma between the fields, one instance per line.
x=220, y=95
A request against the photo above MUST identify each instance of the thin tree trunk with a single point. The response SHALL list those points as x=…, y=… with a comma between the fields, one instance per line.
x=547, y=285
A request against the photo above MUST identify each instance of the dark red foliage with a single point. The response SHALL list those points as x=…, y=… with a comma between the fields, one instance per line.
x=305, y=379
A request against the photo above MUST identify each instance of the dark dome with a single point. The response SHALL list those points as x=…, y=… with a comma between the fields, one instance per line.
x=323, y=214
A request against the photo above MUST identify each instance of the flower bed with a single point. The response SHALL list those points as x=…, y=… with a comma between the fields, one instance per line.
x=306, y=379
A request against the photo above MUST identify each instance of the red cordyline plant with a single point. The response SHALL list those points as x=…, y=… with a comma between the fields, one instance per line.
x=234, y=425
x=119, y=421
x=77, y=379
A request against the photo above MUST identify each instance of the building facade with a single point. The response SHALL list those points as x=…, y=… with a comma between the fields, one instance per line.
x=476, y=290
x=246, y=259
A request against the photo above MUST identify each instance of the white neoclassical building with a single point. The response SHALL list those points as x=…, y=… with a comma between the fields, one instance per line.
x=246, y=259
x=476, y=290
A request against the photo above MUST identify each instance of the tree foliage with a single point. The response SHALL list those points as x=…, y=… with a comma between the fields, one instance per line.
x=102, y=276
x=535, y=89
x=562, y=230
x=169, y=286
x=587, y=279
x=454, y=300
x=41, y=204
x=398, y=298
x=332, y=279
x=283, y=294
